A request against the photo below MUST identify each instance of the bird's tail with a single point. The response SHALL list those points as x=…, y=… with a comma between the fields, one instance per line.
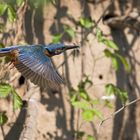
x=5, y=51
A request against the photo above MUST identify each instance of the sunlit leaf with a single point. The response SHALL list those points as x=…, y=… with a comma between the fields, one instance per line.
x=88, y=115
x=81, y=104
x=19, y=2
x=11, y=14
x=3, y=118
x=123, y=95
x=99, y=35
x=86, y=22
x=124, y=62
x=115, y=63
x=110, y=44
x=51, y=2
x=17, y=101
x=3, y=8
x=108, y=103
x=110, y=89
x=57, y=38
x=113, y=57
x=74, y=98
x=5, y=90
x=97, y=113
x=69, y=30
x=89, y=137
x=95, y=101
x=84, y=95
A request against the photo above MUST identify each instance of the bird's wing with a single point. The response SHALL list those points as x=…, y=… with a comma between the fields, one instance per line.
x=37, y=67
x=7, y=51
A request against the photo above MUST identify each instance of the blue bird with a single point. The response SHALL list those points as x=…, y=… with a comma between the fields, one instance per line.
x=34, y=63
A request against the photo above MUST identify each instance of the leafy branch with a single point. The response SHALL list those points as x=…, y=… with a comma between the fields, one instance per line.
x=5, y=91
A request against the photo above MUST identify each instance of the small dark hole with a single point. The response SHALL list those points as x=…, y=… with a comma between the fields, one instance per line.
x=21, y=80
x=100, y=76
x=25, y=103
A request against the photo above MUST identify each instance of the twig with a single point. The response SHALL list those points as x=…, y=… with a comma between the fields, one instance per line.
x=2, y=130
x=104, y=12
x=116, y=112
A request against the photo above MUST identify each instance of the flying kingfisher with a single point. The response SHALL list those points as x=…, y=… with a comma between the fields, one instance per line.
x=34, y=63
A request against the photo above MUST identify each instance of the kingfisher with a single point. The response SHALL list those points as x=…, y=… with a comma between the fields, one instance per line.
x=34, y=62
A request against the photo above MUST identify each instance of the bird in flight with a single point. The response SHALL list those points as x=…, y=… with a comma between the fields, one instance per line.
x=34, y=62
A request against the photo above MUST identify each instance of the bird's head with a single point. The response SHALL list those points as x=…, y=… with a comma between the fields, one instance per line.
x=56, y=49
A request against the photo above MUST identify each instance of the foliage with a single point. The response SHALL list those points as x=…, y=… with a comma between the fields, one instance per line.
x=67, y=30
x=112, y=89
x=3, y=118
x=19, y=2
x=86, y=22
x=113, y=53
x=9, y=10
x=81, y=100
x=6, y=90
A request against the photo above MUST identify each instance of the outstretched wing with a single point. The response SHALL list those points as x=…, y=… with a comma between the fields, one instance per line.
x=37, y=67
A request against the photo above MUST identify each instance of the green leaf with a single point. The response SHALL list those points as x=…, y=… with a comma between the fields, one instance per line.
x=113, y=57
x=108, y=53
x=11, y=14
x=108, y=103
x=98, y=114
x=81, y=104
x=123, y=95
x=110, y=44
x=79, y=134
x=73, y=98
x=88, y=115
x=84, y=95
x=50, y=2
x=86, y=22
x=3, y=118
x=115, y=63
x=89, y=137
x=5, y=89
x=124, y=62
x=17, y=101
x=69, y=31
x=57, y=38
x=19, y=2
x=95, y=101
x=99, y=35
x=110, y=89
x=3, y=8
x=1, y=45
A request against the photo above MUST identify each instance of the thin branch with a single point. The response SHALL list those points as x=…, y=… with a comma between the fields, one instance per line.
x=117, y=112
x=2, y=130
x=104, y=12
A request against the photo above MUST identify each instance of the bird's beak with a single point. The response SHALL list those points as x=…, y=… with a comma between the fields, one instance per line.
x=68, y=47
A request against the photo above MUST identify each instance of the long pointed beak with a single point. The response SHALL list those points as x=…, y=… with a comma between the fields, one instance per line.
x=68, y=47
